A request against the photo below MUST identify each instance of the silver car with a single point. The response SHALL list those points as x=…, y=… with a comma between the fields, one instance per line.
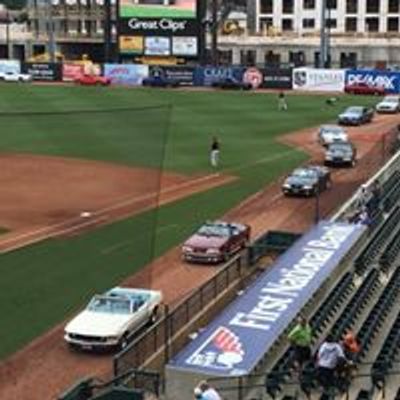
x=390, y=104
x=329, y=134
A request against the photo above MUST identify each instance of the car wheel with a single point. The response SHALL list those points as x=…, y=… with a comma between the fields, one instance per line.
x=154, y=316
x=123, y=343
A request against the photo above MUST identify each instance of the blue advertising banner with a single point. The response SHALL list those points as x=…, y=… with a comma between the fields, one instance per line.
x=126, y=74
x=206, y=76
x=238, y=338
x=390, y=81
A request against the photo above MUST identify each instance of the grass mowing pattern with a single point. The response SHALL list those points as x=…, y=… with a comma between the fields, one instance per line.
x=43, y=284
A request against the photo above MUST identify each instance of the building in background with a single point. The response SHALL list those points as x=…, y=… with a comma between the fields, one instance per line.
x=78, y=27
x=362, y=32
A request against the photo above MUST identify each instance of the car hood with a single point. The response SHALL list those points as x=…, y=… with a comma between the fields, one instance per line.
x=98, y=324
x=293, y=180
x=205, y=242
x=349, y=115
x=339, y=153
x=334, y=136
x=387, y=104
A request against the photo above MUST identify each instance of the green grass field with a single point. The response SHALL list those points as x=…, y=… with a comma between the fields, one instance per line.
x=43, y=284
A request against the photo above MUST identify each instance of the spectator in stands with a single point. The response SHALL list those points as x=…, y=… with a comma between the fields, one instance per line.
x=350, y=345
x=204, y=391
x=330, y=357
x=300, y=338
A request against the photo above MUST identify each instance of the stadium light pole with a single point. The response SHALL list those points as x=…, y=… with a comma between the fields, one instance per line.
x=214, y=32
x=323, y=41
x=50, y=31
x=107, y=30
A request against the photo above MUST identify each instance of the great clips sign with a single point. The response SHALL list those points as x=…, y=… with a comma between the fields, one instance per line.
x=238, y=338
x=390, y=81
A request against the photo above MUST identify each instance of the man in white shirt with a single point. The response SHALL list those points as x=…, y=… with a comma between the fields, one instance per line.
x=330, y=356
x=205, y=392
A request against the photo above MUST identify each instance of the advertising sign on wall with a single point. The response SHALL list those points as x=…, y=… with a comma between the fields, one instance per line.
x=10, y=66
x=126, y=74
x=325, y=80
x=184, y=75
x=277, y=78
x=70, y=72
x=43, y=71
x=239, y=337
x=170, y=19
x=390, y=81
x=206, y=76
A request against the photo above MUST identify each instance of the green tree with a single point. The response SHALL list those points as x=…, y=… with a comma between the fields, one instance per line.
x=14, y=4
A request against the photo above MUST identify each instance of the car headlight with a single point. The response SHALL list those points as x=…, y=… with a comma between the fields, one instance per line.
x=286, y=186
x=307, y=187
x=187, y=249
x=213, y=251
x=328, y=156
x=112, y=338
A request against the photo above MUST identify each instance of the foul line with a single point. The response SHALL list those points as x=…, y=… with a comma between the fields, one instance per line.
x=97, y=216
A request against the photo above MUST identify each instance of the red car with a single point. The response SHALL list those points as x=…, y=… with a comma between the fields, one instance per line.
x=363, y=88
x=93, y=80
x=215, y=242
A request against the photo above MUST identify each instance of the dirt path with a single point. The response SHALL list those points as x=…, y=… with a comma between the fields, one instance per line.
x=44, y=368
x=43, y=196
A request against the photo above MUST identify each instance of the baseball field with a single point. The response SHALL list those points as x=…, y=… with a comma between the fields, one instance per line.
x=102, y=137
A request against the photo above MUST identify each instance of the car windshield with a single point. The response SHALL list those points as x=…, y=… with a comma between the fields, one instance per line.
x=110, y=305
x=215, y=230
x=331, y=129
x=304, y=173
x=340, y=147
x=391, y=99
x=354, y=110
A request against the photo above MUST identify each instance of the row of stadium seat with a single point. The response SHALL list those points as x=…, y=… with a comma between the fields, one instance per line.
x=357, y=304
x=387, y=354
x=373, y=248
x=391, y=252
x=377, y=315
x=391, y=196
x=325, y=312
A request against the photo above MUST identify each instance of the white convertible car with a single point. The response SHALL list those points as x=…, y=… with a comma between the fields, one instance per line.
x=110, y=319
x=15, y=77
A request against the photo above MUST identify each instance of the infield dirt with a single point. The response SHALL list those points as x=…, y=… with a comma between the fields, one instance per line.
x=46, y=367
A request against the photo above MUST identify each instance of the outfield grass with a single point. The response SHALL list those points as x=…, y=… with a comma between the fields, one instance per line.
x=46, y=282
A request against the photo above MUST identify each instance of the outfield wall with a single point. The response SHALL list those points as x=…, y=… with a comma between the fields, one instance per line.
x=265, y=77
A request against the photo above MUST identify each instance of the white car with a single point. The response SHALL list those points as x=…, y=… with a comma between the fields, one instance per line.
x=15, y=77
x=389, y=104
x=329, y=134
x=112, y=318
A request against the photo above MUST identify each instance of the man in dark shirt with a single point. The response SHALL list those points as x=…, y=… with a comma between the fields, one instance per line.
x=214, y=152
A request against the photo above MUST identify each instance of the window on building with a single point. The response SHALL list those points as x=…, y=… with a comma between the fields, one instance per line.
x=287, y=24
x=351, y=24
x=348, y=60
x=308, y=23
x=331, y=23
x=308, y=4
x=352, y=6
x=373, y=6
x=266, y=6
x=393, y=24
x=331, y=4
x=297, y=58
x=288, y=6
x=394, y=6
x=248, y=57
x=265, y=24
x=372, y=24
x=272, y=58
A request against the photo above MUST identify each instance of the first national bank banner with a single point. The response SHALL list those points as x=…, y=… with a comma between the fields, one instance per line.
x=238, y=338
x=325, y=80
